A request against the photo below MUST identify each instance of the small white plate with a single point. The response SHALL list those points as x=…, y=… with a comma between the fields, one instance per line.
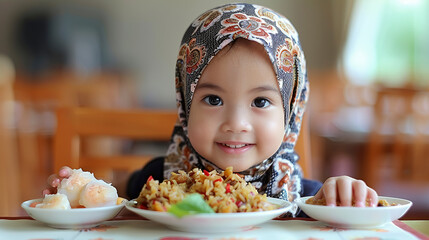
x=356, y=217
x=72, y=218
x=215, y=222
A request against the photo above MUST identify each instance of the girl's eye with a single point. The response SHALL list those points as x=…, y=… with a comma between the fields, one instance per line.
x=213, y=100
x=261, y=103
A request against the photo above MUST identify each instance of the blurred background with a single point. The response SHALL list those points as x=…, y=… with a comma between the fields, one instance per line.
x=366, y=61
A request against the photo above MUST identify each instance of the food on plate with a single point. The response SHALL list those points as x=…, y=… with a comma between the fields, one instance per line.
x=384, y=203
x=192, y=204
x=81, y=190
x=224, y=192
x=72, y=186
x=98, y=193
x=322, y=201
x=54, y=201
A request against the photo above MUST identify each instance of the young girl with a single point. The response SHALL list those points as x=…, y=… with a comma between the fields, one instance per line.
x=241, y=89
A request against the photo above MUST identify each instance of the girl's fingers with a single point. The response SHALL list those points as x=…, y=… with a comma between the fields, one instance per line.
x=49, y=191
x=319, y=194
x=46, y=191
x=359, y=193
x=53, y=180
x=65, y=172
x=330, y=192
x=345, y=191
x=372, y=196
x=56, y=182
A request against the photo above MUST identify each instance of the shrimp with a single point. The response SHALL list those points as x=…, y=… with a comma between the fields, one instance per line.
x=55, y=201
x=98, y=193
x=72, y=187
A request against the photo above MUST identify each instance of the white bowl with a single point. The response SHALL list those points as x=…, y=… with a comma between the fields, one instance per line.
x=214, y=222
x=72, y=218
x=356, y=217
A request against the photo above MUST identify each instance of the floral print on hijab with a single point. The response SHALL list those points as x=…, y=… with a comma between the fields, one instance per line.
x=280, y=175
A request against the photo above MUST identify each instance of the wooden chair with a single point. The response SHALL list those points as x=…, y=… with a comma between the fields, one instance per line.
x=36, y=98
x=9, y=168
x=75, y=124
x=398, y=144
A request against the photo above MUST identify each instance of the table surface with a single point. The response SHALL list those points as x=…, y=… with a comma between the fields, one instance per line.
x=138, y=228
x=420, y=225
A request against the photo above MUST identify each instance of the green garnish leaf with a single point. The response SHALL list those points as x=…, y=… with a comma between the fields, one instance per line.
x=191, y=204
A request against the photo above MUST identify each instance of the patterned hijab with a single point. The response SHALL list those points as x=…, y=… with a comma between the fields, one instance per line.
x=278, y=176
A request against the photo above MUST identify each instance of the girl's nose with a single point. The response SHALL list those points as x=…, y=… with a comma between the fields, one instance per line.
x=236, y=120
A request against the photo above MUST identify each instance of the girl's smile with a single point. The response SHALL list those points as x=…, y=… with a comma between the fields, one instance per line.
x=234, y=147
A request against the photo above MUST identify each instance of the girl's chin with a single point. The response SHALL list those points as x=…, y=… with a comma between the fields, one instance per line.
x=236, y=167
x=238, y=163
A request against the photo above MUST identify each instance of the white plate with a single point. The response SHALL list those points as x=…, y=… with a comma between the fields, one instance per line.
x=356, y=217
x=72, y=218
x=215, y=222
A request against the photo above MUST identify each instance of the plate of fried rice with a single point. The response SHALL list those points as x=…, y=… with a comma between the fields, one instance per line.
x=234, y=204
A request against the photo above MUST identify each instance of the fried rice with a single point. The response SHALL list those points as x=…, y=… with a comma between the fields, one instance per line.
x=322, y=201
x=224, y=192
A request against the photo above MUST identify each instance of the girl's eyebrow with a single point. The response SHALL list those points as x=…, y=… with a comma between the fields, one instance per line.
x=265, y=88
x=256, y=89
x=209, y=86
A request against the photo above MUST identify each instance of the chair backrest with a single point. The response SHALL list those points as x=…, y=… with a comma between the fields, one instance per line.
x=73, y=124
x=398, y=139
x=37, y=97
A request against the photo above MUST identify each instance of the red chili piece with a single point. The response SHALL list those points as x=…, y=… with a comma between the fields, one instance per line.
x=228, y=188
x=206, y=172
x=150, y=178
x=218, y=180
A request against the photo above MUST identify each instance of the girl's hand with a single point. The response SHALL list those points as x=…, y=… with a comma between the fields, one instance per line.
x=344, y=189
x=55, y=179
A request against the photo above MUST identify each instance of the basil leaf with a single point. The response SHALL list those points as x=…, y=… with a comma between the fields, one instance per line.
x=191, y=204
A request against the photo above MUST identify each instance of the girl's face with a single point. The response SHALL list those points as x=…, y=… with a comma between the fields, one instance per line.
x=236, y=117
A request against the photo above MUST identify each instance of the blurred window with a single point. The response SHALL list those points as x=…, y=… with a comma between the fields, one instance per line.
x=387, y=43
